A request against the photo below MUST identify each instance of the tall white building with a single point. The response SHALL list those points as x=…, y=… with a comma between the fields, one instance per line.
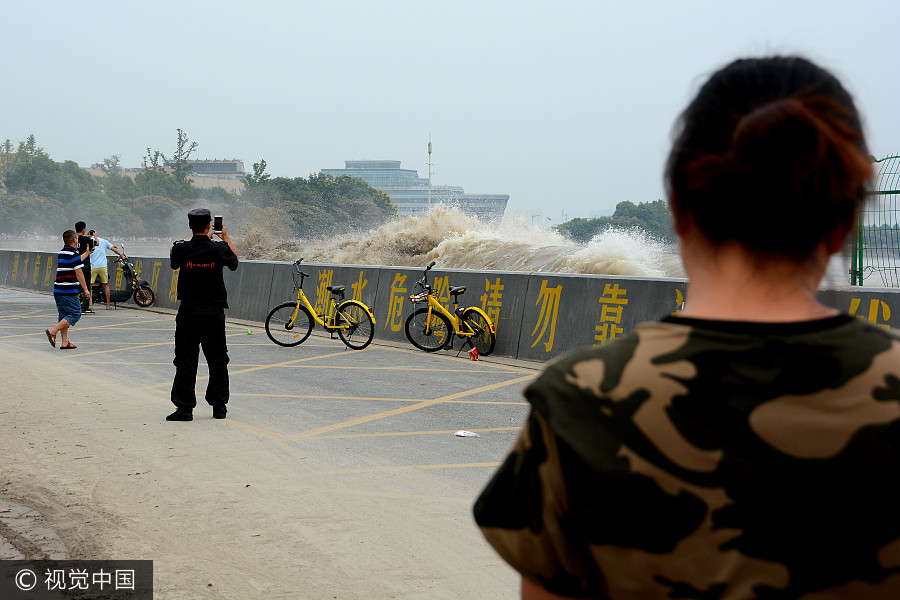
x=412, y=194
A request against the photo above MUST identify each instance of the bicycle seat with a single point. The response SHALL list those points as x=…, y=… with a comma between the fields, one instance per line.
x=456, y=291
x=335, y=289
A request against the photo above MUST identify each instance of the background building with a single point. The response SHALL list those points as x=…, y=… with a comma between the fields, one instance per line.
x=412, y=195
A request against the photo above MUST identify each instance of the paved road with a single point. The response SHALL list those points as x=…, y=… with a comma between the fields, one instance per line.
x=379, y=423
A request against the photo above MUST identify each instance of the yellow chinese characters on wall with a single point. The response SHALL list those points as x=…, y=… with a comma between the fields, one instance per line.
x=441, y=291
x=878, y=313
x=394, y=319
x=154, y=280
x=492, y=299
x=173, y=289
x=548, y=298
x=612, y=303
x=325, y=278
x=48, y=272
x=37, y=270
x=25, y=269
x=358, y=286
x=15, y=268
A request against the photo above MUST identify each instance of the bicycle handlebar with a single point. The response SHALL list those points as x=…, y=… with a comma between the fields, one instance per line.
x=297, y=266
x=423, y=283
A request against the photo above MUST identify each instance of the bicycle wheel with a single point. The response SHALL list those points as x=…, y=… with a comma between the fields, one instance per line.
x=483, y=338
x=144, y=296
x=428, y=336
x=361, y=326
x=280, y=329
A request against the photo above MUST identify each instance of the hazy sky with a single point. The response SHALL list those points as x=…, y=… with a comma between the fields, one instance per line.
x=565, y=106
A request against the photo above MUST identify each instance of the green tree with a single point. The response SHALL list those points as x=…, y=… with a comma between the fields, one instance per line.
x=652, y=217
x=384, y=202
x=320, y=205
x=258, y=177
x=35, y=171
x=7, y=160
x=160, y=216
x=114, y=183
x=181, y=170
x=27, y=212
x=106, y=215
x=169, y=177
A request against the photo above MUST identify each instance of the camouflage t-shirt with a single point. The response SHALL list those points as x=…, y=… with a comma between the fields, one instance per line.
x=710, y=460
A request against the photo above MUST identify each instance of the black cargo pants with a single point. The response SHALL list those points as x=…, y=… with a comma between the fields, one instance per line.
x=86, y=271
x=196, y=327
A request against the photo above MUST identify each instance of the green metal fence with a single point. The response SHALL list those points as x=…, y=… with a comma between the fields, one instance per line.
x=876, y=251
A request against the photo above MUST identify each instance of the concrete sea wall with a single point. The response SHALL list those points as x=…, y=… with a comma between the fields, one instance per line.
x=538, y=315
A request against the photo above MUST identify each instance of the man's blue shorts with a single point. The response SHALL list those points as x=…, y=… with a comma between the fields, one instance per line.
x=69, y=307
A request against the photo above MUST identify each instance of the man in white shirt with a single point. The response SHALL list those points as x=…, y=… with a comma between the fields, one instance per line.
x=98, y=264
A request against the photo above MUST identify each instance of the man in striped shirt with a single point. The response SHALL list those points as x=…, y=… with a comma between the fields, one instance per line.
x=69, y=277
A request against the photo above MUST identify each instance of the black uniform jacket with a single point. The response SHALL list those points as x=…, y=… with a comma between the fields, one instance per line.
x=201, y=261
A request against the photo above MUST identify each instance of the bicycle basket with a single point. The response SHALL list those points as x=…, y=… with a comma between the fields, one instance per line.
x=420, y=297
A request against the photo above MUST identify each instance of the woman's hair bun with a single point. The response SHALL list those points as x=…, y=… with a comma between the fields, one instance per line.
x=766, y=145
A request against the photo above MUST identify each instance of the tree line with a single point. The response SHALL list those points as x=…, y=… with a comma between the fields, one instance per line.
x=39, y=195
x=652, y=217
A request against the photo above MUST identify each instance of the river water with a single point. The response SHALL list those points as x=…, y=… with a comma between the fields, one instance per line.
x=454, y=241
x=449, y=237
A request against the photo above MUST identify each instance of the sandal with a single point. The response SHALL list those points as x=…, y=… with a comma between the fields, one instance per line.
x=51, y=338
x=71, y=346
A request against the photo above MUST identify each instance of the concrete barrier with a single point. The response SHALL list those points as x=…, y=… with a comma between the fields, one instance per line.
x=879, y=306
x=29, y=270
x=565, y=312
x=6, y=259
x=538, y=315
x=250, y=275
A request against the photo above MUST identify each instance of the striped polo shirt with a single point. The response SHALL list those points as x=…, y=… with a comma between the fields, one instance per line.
x=67, y=264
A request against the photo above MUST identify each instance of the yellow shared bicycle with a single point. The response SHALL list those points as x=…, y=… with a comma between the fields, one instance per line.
x=434, y=327
x=289, y=324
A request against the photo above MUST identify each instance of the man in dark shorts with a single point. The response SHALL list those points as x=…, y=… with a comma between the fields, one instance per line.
x=69, y=279
x=200, y=321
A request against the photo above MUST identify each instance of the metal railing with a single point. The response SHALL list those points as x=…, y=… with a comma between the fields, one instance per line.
x=875, y=259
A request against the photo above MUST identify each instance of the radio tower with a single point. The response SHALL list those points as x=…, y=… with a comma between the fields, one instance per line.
x=429, y=172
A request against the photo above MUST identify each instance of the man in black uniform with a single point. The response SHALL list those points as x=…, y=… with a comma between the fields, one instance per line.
x=201, y=315
x=85, y=247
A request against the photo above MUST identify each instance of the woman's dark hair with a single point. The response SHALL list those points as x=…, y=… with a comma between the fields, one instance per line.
x=770, y=154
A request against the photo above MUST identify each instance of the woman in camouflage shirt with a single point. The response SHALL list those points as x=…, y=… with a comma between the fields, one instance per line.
x=747, y=448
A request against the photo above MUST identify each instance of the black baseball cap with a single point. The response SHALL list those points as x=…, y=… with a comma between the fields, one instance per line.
x=199, y=216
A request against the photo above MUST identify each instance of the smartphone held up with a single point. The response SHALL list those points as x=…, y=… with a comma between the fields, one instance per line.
x=217, y=224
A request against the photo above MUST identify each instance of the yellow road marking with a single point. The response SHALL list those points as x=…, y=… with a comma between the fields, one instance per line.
x=315, y=397
x=138, y=347
x=393, y=433
x=398, y=411
x=240, y=426
x=82, y=328
x=259, y=368
x=403, y=468
x=486, y=369
x=319, y=397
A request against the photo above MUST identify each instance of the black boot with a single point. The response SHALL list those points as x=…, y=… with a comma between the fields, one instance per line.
x=181, y=414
